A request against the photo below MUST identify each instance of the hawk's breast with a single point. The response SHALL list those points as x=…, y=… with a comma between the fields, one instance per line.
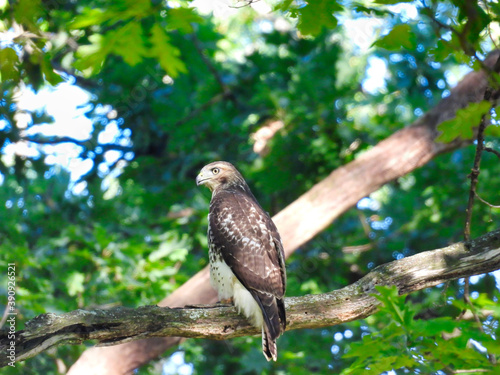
x=221, y=276
x=226, y=283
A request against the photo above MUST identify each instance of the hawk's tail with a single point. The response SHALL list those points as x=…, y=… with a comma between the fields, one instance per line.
x=274, y=323
x=269, y=345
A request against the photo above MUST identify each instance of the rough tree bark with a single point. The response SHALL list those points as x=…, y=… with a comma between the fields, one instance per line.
x=401, y=153
x=219, y=322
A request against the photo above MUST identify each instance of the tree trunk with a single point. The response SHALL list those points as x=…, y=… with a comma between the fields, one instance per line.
x=401, y=153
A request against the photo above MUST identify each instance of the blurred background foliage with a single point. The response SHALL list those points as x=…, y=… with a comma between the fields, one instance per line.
x=284, y=90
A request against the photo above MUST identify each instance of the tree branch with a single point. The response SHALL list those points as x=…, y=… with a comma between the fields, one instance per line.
x=195, y=112
x=489, y=149
x=225, y=88
x=121, y=324
x=486, y=202
x=475, y=169
x=88, y=144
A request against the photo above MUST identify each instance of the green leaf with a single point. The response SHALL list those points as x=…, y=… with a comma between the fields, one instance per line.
x=27, y=12
x=166, y=53
x=395, y=305
x=117, y=12
x=314, y=16
x=173, y=248
x=442, y=51
x=370, y=10
x=493, y=130
x=126, y=41
x=434, y=327
x=50, y=75
x=74, y=283
x=89, y=17
x=464, y=122
x=8, y=65
x=399, y=36
x=284, y=6
x=182, y=19
x=317, y=15
x=91, y=56
x=477, y=20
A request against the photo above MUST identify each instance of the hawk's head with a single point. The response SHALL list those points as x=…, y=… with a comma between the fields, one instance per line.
x=220, y=175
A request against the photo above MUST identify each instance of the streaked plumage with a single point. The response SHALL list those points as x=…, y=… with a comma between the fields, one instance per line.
x=245, y=252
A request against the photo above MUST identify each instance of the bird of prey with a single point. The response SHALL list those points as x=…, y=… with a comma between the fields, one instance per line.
x=247, y=261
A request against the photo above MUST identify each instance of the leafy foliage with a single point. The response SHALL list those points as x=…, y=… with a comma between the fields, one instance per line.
x=418, y=345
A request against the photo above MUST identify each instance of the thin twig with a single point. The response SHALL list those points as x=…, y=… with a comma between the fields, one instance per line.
x=195, y=112
x=475, y=170
x=485, y=202
x=248, y=3
x=489, y=149
x=469, y=302
x=225, y=89
x=472, y=194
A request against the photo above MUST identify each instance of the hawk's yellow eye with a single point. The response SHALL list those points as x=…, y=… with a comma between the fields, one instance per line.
x=215, y=170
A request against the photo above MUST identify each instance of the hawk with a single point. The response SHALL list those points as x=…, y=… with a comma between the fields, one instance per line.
x=247, y=261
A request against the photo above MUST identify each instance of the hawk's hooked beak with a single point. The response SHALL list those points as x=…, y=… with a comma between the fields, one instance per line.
x=200, y=179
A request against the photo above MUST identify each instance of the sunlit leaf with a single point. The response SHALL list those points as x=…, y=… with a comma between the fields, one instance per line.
x=317, y=15
x=167, y=54
x=182, y=19
x=284, y=5
x=313, y=16
x=463, y=124
x=89, y=17
x=126, y=41
x=50, y=75
x=26, y=12
x=399, y=36
x=75, y=282
x=92, y=55
x=394, y=304
x=9, y=61
x=493, y=130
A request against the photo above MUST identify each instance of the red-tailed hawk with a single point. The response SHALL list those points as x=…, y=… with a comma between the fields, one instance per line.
x=246, y=255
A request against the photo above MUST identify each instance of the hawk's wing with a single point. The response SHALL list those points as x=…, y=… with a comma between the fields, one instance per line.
x=251, y=247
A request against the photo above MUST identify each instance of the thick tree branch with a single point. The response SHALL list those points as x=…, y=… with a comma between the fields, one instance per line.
x=353, y=302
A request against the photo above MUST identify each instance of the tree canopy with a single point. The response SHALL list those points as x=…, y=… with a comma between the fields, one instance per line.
x=374, y=113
